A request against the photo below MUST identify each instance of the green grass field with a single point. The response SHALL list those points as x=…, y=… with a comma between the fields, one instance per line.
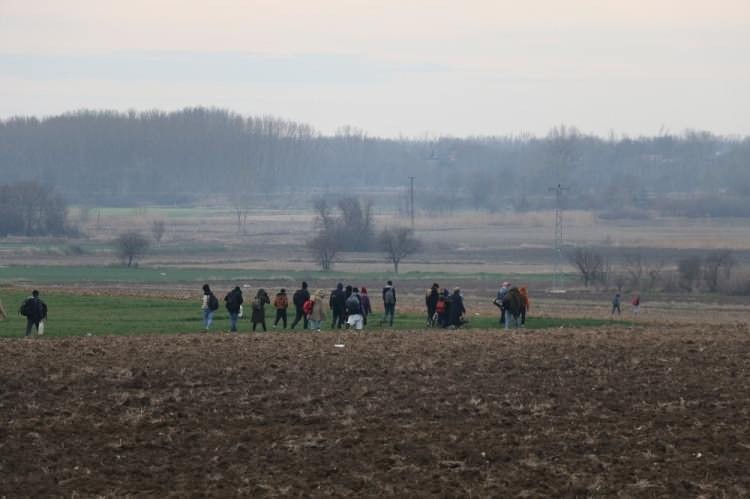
x=78, y=315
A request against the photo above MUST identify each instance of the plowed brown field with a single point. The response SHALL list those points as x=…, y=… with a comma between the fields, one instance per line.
x=643, y=412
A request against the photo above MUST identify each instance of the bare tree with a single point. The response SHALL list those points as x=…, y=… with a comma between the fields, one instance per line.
x=398, y=243
x=653, y=271
x=240, y=202
x=158, y=228
x=324, y=247
x=589, y=263
x=130, y=246
x=689, y=271
x=718, y=262
x=634, y=264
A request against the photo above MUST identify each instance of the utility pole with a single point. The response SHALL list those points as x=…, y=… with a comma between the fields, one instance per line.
x=557, y=278
x=411, y=200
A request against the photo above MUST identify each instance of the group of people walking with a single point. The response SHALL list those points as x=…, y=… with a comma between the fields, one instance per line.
x=349, y=306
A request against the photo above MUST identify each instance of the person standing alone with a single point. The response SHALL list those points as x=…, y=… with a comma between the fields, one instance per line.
x=35, y=311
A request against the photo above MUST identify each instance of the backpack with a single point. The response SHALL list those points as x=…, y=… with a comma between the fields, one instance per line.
x=281, y=301
x=307, y=308
x=353, y=305
x=26, y=309
x=389, y=298
x=213, y=302
x=257, y=303
x=440, y=307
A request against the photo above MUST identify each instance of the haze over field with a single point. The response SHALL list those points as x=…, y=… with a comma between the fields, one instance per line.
x=434, y=67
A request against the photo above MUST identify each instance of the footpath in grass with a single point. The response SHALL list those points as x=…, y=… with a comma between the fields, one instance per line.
x=37, y=275
x=78, y=315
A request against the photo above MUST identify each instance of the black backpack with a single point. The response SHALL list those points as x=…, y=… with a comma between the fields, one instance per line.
x=27, y=307
x=213, y=302
x=353, y=306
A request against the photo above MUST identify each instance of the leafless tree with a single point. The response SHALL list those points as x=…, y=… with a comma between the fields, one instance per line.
x=324, y=247
x=634, y=264
x=398, y=243
x=158, y=228
x=718, y=262
x=653, y=271
x=130, y=246
x=589, y=263
x=240, y=201
x=689, y=272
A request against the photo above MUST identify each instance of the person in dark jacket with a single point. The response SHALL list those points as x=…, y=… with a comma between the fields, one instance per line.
x=35, y=311
x=366, y=306
x=431, y=300
x=457, y=309
x=259, y=309
x=389, y=303
x=354, y=314
x=337, y=302
x=299, y=298
x=233, y=301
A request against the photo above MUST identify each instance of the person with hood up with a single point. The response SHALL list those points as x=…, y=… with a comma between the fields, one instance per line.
x=337, y=303
x=233, y=302
x=457, y=309
x=364, y=298
x=299, y=298
x=259, y=309
x=280, y=303
x=317, y=314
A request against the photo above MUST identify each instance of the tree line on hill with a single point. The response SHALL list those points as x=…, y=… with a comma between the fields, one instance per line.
x=111, y=158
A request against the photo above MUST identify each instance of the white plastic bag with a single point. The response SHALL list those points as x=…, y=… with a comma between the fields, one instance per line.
x=241, y=311
x=40, y=329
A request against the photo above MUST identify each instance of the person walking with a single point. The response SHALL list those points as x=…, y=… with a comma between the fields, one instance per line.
x=209, y=306
x=299, y=298
x=354, y=310
x=280, y=303
x=525, y=304
x=431, y=301
x=364, y=298
x=259, y=309
x=317, y=314
x=337, y=303
x=636, y=302
x=389, y=303
x=442, y=309
x=504, y=288
x=457, y=310
x=233, y=303
x=616, y=305
x=35, y=311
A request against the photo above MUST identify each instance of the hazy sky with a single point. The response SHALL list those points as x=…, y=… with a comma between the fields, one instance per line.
x=410, y=67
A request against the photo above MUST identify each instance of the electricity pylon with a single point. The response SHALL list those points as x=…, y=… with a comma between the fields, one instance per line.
x=557, y=277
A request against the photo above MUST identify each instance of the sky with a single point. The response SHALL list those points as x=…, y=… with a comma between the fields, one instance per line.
x=414, y=68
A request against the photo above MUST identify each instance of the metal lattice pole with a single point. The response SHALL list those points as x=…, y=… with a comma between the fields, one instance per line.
x=411, y=200
x=557, y=278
